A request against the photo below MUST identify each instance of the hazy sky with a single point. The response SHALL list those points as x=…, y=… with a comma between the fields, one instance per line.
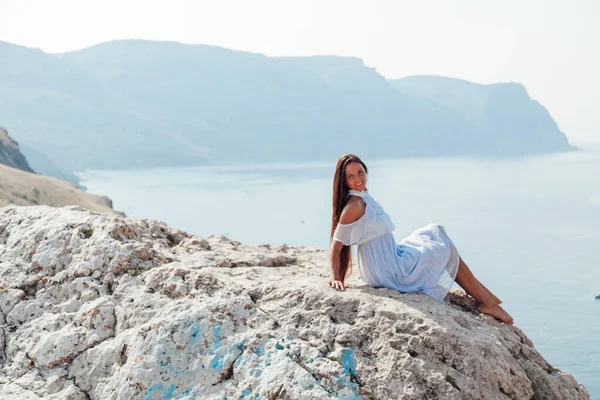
x=552, y=46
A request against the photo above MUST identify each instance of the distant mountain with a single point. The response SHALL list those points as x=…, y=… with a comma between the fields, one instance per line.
x=134, y=103
x=507, y=119
x=10, y=154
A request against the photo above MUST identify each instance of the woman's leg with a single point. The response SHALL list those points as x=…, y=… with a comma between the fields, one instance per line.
x=497, y=300
x=485, y=301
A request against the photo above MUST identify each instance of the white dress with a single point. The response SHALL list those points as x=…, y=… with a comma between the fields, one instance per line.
x=426, y=261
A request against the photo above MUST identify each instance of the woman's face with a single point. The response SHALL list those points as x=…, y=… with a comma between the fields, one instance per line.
x=356, y=176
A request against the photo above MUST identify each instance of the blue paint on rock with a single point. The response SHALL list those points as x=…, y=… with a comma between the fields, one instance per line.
x=166, y=392
x=260, y=349
x=195, y=333
x=188, y=392
x=349, y=368
x=216, y=335
x=217, y=361
x=348, y=362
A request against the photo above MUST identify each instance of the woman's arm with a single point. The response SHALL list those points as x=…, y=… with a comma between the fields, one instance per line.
x=352, y=212
x=336, y=281
x=334, y=259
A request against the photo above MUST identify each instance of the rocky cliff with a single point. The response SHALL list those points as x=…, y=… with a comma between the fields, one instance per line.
x=10, y=154
x=97, y=306
x=507, y=120
x=20, y=185
x=25, y=188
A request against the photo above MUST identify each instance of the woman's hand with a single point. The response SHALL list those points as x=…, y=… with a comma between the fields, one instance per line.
x=335, y=279
x=338, y=285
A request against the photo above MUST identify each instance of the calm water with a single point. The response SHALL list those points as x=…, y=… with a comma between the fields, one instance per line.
x=528, y=227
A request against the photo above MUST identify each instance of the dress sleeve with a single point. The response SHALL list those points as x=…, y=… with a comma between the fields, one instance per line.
x=350, y=234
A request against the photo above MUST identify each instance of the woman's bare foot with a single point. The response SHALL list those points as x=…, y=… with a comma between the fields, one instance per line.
x=497, y=312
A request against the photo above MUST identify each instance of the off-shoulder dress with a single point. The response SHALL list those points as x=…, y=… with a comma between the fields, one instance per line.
x=426, y=261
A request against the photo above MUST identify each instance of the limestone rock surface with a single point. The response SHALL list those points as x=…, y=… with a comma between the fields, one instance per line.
x=98, y=306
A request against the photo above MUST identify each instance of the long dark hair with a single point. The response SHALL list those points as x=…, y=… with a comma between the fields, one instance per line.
x=340, y=198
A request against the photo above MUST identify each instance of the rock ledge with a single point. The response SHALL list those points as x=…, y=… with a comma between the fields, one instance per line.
x=98, y=306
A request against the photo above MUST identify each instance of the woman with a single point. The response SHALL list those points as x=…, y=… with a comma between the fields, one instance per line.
x=427, y=261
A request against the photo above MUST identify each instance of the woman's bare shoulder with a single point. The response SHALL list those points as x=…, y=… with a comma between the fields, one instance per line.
x=353, y=210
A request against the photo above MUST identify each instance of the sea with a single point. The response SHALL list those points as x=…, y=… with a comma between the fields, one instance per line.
x=528, y=227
